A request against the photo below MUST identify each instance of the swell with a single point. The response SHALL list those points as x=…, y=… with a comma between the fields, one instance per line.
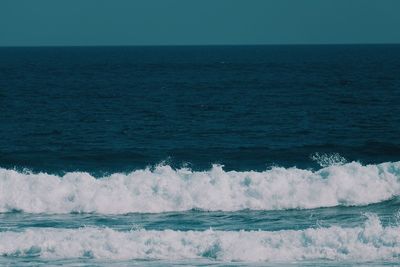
x=165, y=189
x=370, y=242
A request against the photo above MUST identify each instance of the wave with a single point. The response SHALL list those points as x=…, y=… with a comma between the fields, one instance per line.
x=164, y=189
x=370, y=242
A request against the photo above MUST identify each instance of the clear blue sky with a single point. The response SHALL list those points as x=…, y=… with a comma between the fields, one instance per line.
x=181, y=22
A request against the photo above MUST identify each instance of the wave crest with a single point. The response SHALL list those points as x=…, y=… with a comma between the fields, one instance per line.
x=367, y=243
x=165, y=189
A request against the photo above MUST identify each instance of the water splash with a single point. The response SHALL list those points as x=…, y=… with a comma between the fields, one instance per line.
x=165, y=189
x=326, y=160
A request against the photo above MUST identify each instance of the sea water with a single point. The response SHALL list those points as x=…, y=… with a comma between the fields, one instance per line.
x=200, y=155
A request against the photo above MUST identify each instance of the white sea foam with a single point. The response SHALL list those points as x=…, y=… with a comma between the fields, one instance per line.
x=367, y=243
x=165, y=189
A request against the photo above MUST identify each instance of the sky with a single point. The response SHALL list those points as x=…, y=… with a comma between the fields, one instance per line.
x=197, y=22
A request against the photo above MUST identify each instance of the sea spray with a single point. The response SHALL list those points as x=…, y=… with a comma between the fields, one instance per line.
x=165, y=189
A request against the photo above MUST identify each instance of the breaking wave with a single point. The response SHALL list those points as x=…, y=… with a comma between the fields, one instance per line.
x=165, y=189
x=369, y=242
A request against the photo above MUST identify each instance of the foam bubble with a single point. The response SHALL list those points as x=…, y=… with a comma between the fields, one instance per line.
x=367, y=243
x=165, y=189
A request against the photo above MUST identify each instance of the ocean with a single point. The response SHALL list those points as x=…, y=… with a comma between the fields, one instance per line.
x=200, y=155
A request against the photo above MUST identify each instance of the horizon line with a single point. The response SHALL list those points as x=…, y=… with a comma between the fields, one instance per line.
x=195, y=45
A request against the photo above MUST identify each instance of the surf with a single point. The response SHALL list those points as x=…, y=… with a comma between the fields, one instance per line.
x=164, y=189
x=368, y=242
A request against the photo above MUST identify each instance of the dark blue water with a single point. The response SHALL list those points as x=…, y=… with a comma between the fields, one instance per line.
x=139, y=141
x=123, y=108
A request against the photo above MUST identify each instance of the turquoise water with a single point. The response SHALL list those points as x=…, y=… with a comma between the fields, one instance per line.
x=199, y=156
